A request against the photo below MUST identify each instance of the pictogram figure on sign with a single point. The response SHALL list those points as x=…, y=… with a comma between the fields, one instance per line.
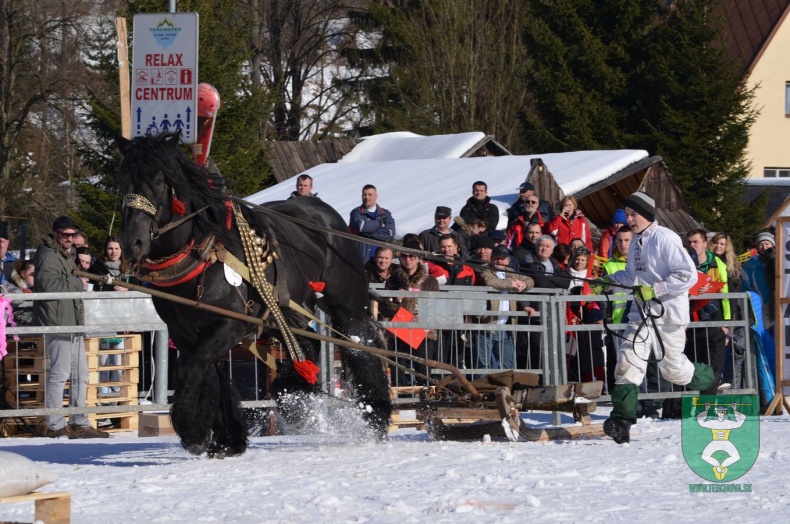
x=152, y=129
x=165, y=124
x=178, y=124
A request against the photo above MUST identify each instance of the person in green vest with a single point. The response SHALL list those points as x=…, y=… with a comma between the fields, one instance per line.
x=707, y=345
x=616, y=308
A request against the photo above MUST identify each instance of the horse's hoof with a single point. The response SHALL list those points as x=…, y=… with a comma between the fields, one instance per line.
x=197, y=448
x=220, y=451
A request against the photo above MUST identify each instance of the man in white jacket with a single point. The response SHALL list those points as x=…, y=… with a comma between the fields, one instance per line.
x=658, y=267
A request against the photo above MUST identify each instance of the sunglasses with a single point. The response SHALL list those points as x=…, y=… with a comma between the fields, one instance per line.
x=68, y=235
x=532, y=201
x=408, y=256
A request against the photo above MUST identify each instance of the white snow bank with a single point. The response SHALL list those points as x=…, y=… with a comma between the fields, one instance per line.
x=411, y=189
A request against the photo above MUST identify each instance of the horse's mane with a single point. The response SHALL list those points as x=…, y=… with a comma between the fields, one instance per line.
x=191, y=183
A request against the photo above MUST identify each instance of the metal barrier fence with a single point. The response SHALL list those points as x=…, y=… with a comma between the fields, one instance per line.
x=106, y=315
x=546, y=343
x=457, y=332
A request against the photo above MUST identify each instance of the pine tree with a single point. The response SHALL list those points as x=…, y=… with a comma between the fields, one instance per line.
x=694, y=110
x=644, y=75
x=451, y=66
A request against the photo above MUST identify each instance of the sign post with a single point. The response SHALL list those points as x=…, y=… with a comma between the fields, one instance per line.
x=165, y=78
x=782, y=329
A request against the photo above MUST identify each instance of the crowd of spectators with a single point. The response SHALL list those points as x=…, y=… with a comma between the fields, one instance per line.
x=551, y=248
x=540, y=247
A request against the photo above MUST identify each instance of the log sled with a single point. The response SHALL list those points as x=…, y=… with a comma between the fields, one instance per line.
x=505, y=396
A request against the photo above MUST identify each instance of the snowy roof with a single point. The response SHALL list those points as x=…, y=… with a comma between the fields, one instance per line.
x=782, y=181
x=411, y=189
x=403, y=145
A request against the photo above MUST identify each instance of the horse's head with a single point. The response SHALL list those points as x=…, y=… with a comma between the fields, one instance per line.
x=148, y=176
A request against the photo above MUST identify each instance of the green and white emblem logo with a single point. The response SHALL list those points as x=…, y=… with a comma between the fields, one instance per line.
x=720, y=435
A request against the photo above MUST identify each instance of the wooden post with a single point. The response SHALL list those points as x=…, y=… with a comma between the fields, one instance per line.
x=123, y=77
x=781, y=302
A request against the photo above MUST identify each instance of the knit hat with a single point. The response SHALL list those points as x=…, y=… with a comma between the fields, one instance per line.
x=765, y=235
x=643, y=204
x=483, y=241
x=64, y=222
x=3, y=229
x=496, y=234
x=618, y=217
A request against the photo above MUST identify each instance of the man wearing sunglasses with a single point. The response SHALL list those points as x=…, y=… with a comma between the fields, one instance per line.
x=527, y=209
x=54, y=266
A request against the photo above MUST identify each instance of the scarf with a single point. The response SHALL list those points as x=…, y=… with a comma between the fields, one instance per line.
x=114, y=268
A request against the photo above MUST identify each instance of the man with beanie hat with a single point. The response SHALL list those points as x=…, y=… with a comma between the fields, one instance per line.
x=67, y=360
x=606, y=245
x=758, y=276
x=657, y=267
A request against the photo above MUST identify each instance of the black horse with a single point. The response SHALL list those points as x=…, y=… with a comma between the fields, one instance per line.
x=162, y=185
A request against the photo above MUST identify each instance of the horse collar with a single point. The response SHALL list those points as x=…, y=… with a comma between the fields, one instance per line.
x=181, y=267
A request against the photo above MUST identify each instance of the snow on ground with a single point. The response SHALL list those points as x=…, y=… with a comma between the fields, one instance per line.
x=334, y=477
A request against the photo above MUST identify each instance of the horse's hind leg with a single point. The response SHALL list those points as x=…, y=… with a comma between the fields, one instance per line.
x=367, y=374
x=370, y=383
x=229, y=429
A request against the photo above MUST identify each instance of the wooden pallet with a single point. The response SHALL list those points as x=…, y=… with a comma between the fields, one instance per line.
x=17, y=427
x=51, y=508
x=25, y=372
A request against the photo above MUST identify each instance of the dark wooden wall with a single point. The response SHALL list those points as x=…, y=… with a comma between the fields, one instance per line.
x=292, y=158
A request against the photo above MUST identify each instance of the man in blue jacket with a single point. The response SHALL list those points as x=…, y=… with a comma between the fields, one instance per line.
x=370, y=220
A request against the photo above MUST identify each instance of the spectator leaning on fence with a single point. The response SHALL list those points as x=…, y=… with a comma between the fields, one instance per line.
x=496, y=349
x=53, y=269
x=660, y=268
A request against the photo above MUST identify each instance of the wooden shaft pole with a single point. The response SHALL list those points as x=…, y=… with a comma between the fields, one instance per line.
x=123, y=77
x=308, y=334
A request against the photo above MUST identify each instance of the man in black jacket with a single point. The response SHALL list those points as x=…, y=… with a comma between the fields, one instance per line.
x=479, y=206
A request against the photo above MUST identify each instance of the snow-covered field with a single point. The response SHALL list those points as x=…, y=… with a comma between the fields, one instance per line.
x=335, y=477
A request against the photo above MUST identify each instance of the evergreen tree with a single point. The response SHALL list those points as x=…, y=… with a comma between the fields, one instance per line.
x=694, y=110
x=644, y=75
x=449, y=66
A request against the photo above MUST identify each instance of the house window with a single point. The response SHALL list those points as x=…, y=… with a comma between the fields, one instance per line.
x=774, y=172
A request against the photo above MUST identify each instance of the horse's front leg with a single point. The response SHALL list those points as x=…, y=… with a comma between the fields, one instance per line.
x=197, y=401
